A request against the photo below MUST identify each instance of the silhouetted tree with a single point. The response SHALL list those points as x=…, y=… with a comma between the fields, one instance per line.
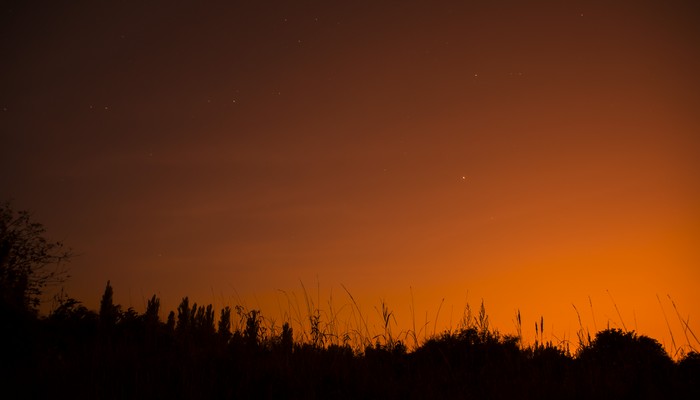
x=152, y=308
x=183, y=315
x=286, y=338
x=252, y=328
x=224, y=327
x=70, y=310
x=108, y=311
x=28, y=262
x=170, y=324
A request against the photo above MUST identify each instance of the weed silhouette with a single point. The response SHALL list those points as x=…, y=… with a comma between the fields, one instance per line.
x=115, y=353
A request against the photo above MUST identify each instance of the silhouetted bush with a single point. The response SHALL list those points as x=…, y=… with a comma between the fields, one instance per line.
x=78, y=353
x=623, y=365
x=689, y=374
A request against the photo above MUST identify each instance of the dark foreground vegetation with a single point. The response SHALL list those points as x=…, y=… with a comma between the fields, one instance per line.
x=77, y=353
x=200, y=353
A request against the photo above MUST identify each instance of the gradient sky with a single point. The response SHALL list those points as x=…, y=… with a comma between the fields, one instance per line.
x=533, y=154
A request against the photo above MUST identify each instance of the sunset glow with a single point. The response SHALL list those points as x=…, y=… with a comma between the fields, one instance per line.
x=539, y=157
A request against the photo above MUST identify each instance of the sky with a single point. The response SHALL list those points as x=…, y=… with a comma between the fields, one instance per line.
x=538, y=155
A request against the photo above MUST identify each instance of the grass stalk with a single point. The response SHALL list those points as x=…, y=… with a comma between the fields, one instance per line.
x=437, y=315
x=684, y=323
x=617, y=310
x=590, y=303
x=413, y=319
x=668, y=325
x=359, y=312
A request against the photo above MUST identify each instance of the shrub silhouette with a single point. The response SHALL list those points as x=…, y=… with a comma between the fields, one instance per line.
x=470, y=362
x=115, y=353
x=120, y=353
x=689, y=374
x=622, y=364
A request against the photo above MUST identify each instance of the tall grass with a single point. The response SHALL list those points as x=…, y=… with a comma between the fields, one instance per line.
x=346, y=323
x=335, y=351
x=349, y=324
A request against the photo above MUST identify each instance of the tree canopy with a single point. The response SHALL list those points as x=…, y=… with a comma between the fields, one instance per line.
x=28, y=261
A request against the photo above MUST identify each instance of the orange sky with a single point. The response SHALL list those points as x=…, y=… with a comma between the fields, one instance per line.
x=533, y=156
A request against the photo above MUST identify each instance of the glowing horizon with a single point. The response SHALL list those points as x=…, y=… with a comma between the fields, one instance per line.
x=528, y=156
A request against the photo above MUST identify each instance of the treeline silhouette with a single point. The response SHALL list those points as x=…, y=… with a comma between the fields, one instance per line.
x=201, y=353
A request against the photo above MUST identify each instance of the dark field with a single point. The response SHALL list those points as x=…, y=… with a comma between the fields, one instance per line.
x=198, y=353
